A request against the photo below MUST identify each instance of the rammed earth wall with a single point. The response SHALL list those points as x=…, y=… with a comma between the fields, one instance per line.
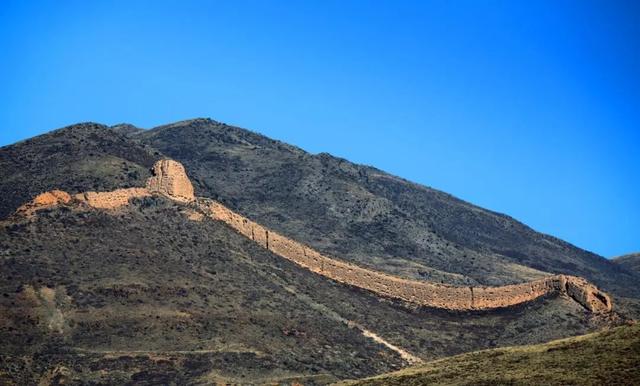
x=170, y=180
x=418, y=292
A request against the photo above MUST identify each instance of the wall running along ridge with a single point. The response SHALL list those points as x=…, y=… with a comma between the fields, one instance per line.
x=418, y=292
x=44, y=200
x=170, y=180
x=111, y=200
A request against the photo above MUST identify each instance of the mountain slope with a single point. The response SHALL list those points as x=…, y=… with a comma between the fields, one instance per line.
x=150, y=280
x=147, y=292
x=610, y=357
x=630, y=262
x=89, y=289
x=369, y=217
x=77, y=158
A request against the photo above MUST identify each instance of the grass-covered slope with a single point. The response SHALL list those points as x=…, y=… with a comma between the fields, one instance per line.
x=604, y=358
x=89, y=291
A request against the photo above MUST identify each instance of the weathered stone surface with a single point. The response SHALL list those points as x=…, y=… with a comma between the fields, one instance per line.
x=170, y=179
x=587, y=294
x=100, y=200
x=193, y=215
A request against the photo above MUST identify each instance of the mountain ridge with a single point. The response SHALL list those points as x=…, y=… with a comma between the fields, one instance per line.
x=148, y=288
x=630, y=261
x=453, y=242
x=233, y=150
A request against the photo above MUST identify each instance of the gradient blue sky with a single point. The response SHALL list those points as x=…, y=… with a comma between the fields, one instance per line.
x=527, y=108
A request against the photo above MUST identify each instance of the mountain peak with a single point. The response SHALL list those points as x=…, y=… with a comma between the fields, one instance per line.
x=126, y=128
x=194, y=122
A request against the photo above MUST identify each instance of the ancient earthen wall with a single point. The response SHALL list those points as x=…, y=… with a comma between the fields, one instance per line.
x=509, y=295
x=100, y=200
x=111, y=200
x=44, y=200
x=587, y=294
x=170, y=180
x=417, y=292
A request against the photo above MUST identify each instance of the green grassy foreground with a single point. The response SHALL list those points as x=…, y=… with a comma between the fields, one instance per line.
x=609, y=357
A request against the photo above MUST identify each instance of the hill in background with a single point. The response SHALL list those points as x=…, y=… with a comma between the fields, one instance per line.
x=630, y=262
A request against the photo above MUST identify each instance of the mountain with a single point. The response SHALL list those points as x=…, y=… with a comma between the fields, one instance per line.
x=107, y=281
x=148, y=291
x=610, y=357
x=77, y=158
x=369, y=217
x=630, y=262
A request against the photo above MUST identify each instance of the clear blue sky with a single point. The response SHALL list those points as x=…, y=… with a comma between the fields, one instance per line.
x=527, y=108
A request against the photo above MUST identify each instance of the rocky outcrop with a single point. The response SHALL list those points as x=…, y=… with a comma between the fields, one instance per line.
x=170, y=180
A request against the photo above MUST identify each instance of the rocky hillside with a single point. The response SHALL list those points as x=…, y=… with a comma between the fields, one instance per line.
x=75, y=159
x=145, y=293
x=354, y=211
x=368, y=216
x=630, y=262
x=139, y=289
x=170, y=180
